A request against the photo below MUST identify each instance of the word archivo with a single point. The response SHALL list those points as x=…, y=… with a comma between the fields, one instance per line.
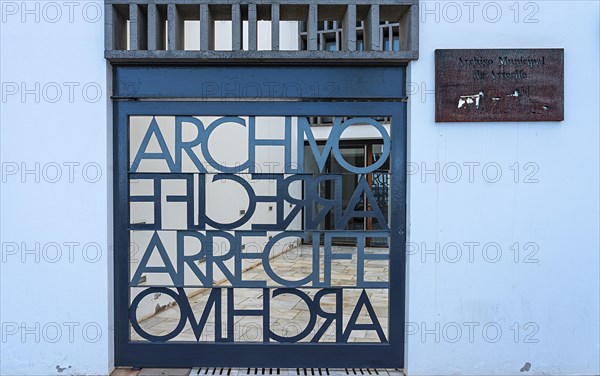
x=204, y=231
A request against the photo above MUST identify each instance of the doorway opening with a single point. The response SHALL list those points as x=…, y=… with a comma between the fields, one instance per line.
x=361, y=153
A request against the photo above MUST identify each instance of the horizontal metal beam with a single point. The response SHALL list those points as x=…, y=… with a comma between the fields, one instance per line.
x=268, y=2
x=121, y=56
x=334, y=82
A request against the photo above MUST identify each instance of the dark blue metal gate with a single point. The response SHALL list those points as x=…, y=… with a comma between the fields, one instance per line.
x=190, y=285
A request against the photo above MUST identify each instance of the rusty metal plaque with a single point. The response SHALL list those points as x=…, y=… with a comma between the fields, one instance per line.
x=499, y=85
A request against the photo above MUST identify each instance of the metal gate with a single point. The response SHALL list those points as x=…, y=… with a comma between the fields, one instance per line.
x=232, y=189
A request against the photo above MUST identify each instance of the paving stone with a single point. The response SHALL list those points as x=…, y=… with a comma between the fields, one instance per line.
x=395, y=372
x=124, y=371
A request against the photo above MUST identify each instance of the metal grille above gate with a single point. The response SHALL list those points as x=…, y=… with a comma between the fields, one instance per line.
x=366, y=31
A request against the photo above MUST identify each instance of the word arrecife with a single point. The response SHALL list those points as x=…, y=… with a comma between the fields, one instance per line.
x=313, y=215
x=187, y=259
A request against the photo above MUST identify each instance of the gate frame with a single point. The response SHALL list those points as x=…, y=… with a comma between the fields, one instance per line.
x=182, y=97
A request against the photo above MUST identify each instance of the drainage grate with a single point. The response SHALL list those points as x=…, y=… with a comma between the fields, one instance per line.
x=225, y=371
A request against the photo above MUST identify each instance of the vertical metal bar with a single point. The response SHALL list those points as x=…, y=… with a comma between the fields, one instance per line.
x=207, y=28
x=118, y=21
x=312, y=26
x=133, y=27
x=252, y=28
x=338, y=36
x=156, y=28
x=275, y=27
x=109, y=35
x=236, y=27
x=152, y=25
x=121, y=234
x=143, y=28
x=409, y=29
x=371, y=32
x=398, y=187
x=176, y=37
x=138, y=28
x=369, y=161
x=349, y=29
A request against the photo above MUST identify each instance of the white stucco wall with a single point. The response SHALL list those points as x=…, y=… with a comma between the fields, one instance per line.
x=552, y=295
x=555, y=292
x=54, y=268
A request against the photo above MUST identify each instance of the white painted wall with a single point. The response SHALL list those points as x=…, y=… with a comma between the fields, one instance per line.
x=557, y=296
x=55, y=302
